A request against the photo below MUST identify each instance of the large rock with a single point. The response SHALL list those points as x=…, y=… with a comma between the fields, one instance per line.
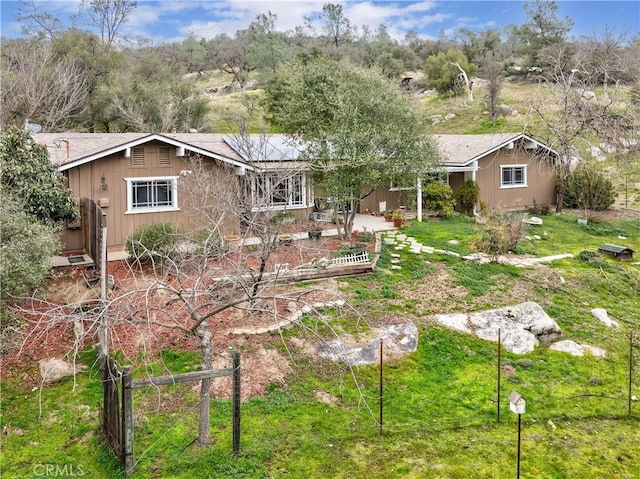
x=55, y=369
x=601, y=315
x=398, y=340
x=522, y=326
x=575, y=349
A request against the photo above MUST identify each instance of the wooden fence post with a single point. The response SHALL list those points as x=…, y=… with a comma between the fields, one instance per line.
x=127, y=460
x=236, y=401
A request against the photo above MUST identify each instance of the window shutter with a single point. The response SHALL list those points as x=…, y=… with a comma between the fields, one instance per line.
x=164, y=158
x=138, y=157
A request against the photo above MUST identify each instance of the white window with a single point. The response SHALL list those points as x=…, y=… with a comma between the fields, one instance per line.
x=146, y=195
x=274, y=190
x=513, y=176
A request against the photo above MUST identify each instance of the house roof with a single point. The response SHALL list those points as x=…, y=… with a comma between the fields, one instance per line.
x=68, y=150
x=462, y=150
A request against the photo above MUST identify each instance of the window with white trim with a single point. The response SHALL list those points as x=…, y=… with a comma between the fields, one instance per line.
x=513, y=176
x=146, y=195
x=277, y=191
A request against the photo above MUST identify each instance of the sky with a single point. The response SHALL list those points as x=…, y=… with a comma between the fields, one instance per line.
x=171, y=21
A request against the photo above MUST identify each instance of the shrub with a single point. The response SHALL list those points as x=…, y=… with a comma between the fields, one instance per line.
x=467, y=196
x=27, y=247
x=439, y=198
x=589, y=189
x=283, y=217
x=538, y=210
x=501, y=233
x=589, y=256
x=210, y=243
x=152, y=242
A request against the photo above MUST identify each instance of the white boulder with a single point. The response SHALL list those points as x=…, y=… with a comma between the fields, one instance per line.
x=601, y=315
x=55, y=369
x=575, y=349
x=522, y=326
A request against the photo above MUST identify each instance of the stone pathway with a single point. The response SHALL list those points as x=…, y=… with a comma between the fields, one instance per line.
x=401, y=242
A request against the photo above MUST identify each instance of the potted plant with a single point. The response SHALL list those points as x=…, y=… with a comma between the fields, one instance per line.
x=388, y=216
x=398, y=218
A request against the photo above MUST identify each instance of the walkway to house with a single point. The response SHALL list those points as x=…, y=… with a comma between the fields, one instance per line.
x=362, y=223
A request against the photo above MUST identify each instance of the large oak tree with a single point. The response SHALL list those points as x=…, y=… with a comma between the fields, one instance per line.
x=357, y=129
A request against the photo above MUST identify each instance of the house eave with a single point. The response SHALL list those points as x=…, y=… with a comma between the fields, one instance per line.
x=145, y=139
x=505, y=143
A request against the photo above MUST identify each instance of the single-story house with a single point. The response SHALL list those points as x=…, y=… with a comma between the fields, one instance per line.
x=513, y=171
x=136, y=178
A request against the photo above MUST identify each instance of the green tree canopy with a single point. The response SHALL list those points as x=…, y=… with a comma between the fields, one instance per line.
x=26, y=172
x=442, y=71
x=356, y=127
x=542, y=29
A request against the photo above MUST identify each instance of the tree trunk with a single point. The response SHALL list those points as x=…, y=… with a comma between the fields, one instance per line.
x=204, y=430
x=468, y=85
x=560, y=196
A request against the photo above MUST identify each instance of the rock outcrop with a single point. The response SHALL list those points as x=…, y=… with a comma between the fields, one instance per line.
x=522, y=326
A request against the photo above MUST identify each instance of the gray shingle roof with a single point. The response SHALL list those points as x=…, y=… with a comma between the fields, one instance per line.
x=460, y=150
x=71, y=149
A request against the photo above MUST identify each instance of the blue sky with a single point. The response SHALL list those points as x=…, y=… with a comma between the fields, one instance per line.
x=168, y=21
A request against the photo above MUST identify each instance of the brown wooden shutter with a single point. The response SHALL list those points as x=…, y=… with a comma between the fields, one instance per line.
x=138, y=157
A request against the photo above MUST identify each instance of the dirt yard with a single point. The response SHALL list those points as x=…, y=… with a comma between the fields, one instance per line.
x=51, y=331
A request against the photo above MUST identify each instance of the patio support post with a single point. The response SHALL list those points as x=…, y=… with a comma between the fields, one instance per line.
x=419, y=202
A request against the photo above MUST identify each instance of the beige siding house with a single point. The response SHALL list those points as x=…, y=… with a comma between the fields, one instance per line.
x=512, y=170
x=136, y=178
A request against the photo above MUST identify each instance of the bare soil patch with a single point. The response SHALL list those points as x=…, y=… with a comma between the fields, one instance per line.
x=262, y=363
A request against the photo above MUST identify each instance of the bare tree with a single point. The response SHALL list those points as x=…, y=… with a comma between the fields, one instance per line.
x=336, y=25
x=232, y=56
x=463, y=80
x=209, y=274
x=107, y=16
x=604, y=55
x=37, y=21
x=494, y=74
x=572, y=114
x=39, y=86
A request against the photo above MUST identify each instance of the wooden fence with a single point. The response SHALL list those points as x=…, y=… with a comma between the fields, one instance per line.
x=93, y=220
x=129, y=384
x=117, y=410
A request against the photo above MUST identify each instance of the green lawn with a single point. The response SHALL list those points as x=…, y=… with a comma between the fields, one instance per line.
x=440, y=411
